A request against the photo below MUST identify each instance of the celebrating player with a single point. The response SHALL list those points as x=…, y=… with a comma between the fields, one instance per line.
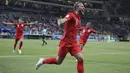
x=68, y=42
x=86, y=31
x=19, y=32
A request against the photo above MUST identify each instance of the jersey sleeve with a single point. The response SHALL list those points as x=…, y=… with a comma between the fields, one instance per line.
x=68, y=16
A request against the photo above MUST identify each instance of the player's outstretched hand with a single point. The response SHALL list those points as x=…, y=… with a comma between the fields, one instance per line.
x=36, y=22
x=4, y=22
x=61, y=21
x=58, y=22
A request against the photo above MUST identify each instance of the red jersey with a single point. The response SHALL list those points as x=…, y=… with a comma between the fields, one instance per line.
x=19, y=29
x=86, y=32
x=70, y=28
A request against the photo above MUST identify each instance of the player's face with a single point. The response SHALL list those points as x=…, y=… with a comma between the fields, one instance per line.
x=20, y=20
x=81, y=8
x=88, y=25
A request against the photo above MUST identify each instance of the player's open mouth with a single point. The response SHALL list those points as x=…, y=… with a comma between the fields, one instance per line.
x=83, y=10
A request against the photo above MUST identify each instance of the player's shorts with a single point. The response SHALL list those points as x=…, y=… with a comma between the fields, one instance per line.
x=18, y=37
x=72, y=49
x=82, y=41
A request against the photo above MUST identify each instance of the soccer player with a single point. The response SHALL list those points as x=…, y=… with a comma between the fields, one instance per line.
x=68, y=42
x=43, y=40
x=86, y=31
x=44, y=32
x=19, y=32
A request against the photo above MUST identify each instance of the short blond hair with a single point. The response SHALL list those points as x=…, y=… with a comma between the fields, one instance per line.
x=76, y=5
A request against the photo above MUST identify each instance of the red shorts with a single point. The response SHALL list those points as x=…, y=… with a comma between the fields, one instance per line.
x=72, y=49
x=18, y=36
x=82, y=41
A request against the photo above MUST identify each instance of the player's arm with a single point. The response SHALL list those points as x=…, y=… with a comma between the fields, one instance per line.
x=8, y=23
x=65, y=19
x=61, y=21
x=98, y=32
x=81, y=28
x=31, y=23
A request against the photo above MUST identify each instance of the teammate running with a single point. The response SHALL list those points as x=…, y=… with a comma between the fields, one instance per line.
x=86, y=31
x=19, y=32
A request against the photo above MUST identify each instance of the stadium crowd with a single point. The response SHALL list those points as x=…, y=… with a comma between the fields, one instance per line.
x=101, y=20
x=45, y=22
x=50, y=23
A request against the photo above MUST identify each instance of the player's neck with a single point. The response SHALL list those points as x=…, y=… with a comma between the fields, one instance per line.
x=77, y=13
x=20, y=22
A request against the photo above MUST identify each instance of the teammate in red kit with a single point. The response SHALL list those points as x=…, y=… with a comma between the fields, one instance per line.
x=68, y=42
x=19, y=32
x=86, y=31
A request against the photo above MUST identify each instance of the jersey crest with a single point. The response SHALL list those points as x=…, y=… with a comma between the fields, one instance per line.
x=89, y=30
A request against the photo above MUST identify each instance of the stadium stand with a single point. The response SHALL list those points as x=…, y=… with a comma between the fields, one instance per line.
x=113, y=21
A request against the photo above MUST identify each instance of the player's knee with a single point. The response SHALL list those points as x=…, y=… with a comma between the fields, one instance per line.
x=80, y=58
x=81, y=46
x=59, y=63
x=21, y=40
x=59, y=60
x=16, y=40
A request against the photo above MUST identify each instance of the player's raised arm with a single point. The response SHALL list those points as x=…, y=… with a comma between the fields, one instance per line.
x=31, y=23
x=81, y=28
x=8, y=23
x=61, y=21
x=98, y=32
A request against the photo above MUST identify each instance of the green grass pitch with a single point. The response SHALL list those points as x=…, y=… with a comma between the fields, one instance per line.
x=99, y=57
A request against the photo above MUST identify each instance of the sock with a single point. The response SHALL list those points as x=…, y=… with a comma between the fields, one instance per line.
x=20, y=45
x=15, y=44
x=80, y=67
x=43, y=43
x=46, y=42
x=50, y=61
